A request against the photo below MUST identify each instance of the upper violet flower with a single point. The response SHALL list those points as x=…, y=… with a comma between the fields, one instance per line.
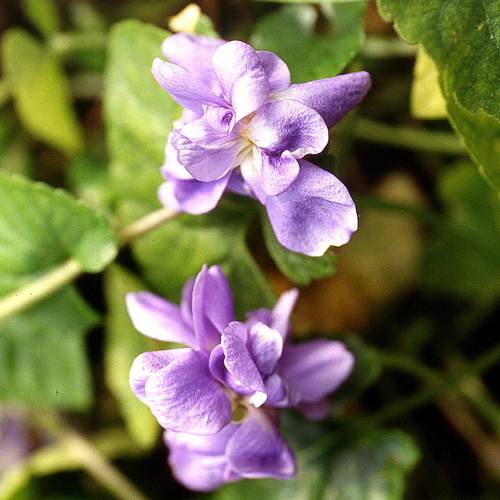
x=219, y=397
x=246, y=128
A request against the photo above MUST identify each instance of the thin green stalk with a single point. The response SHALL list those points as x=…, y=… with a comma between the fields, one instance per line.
x=407, y=137
x=66, y=43
x=387, y=47
x=87, y=85
x=409, y=365
x=438, y=386
x=64, y=274
x=89, y=457
x=4, y=92
x=422, y=213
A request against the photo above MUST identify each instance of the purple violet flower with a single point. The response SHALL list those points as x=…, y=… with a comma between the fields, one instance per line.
x=219, y=397
x=14, y=438
x=245, y=128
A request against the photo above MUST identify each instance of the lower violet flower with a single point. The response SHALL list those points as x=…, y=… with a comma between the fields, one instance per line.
x=246, y=129
x=220, y=396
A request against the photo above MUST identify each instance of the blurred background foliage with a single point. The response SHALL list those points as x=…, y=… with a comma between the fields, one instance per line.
x=415, y=294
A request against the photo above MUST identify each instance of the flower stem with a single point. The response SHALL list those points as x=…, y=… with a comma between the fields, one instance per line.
x=407, y=137
x=66, y=43
x=437, y=385
x=145, y=225
x=64, y=274
x=387, y=46
x=419, y=212
x=4, y=92
x=89, y=457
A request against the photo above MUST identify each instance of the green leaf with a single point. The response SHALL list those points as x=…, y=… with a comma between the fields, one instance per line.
x=481, y=135
x=40, y=227
x=42, y=354
x=43, y=14
x=15, y=153
x=176, y=251
x=88, y=178
x=139, y=113
x=462, y=39
x=300, y=268
x=462, y=257
x=308, y=54
x=123, y=344
x=371, y=468
x=41, y=91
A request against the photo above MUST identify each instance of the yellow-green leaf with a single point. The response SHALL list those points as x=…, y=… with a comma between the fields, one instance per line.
x=426, y=100
x=123, y=344
x=41, y=91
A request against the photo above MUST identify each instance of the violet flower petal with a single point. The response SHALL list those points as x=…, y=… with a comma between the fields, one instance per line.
x=172, y=167
x=333, y=97
x=239, y=363
x=191, y=196
x=242, y=77
x=194, y=53
x=199, y=462
x=159, y=319
x=279, y=393
x=265, y=346
x=186, y=306
x=288, y=125
x=278, y=172
x=282, y=310
x=220, y=372
x=213, y=307
x=184, y=397
x=183, y=87
x=276, y=70
x=205, y=163
x=148, y=363
x=258, y=450
x=316, y=368
x=196, y=471
x=315, y=212
x=15, y=439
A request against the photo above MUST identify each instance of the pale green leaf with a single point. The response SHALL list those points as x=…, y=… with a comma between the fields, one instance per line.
x=308, y=54
x=41, y=227
x=41, y=91
x=300, y=268
x=462, y=257
x=481, y=135
x=123, y=344
x=138, y=112
x=463, y=39
x=88, y=177
x=42, y=354
x=372, y=469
